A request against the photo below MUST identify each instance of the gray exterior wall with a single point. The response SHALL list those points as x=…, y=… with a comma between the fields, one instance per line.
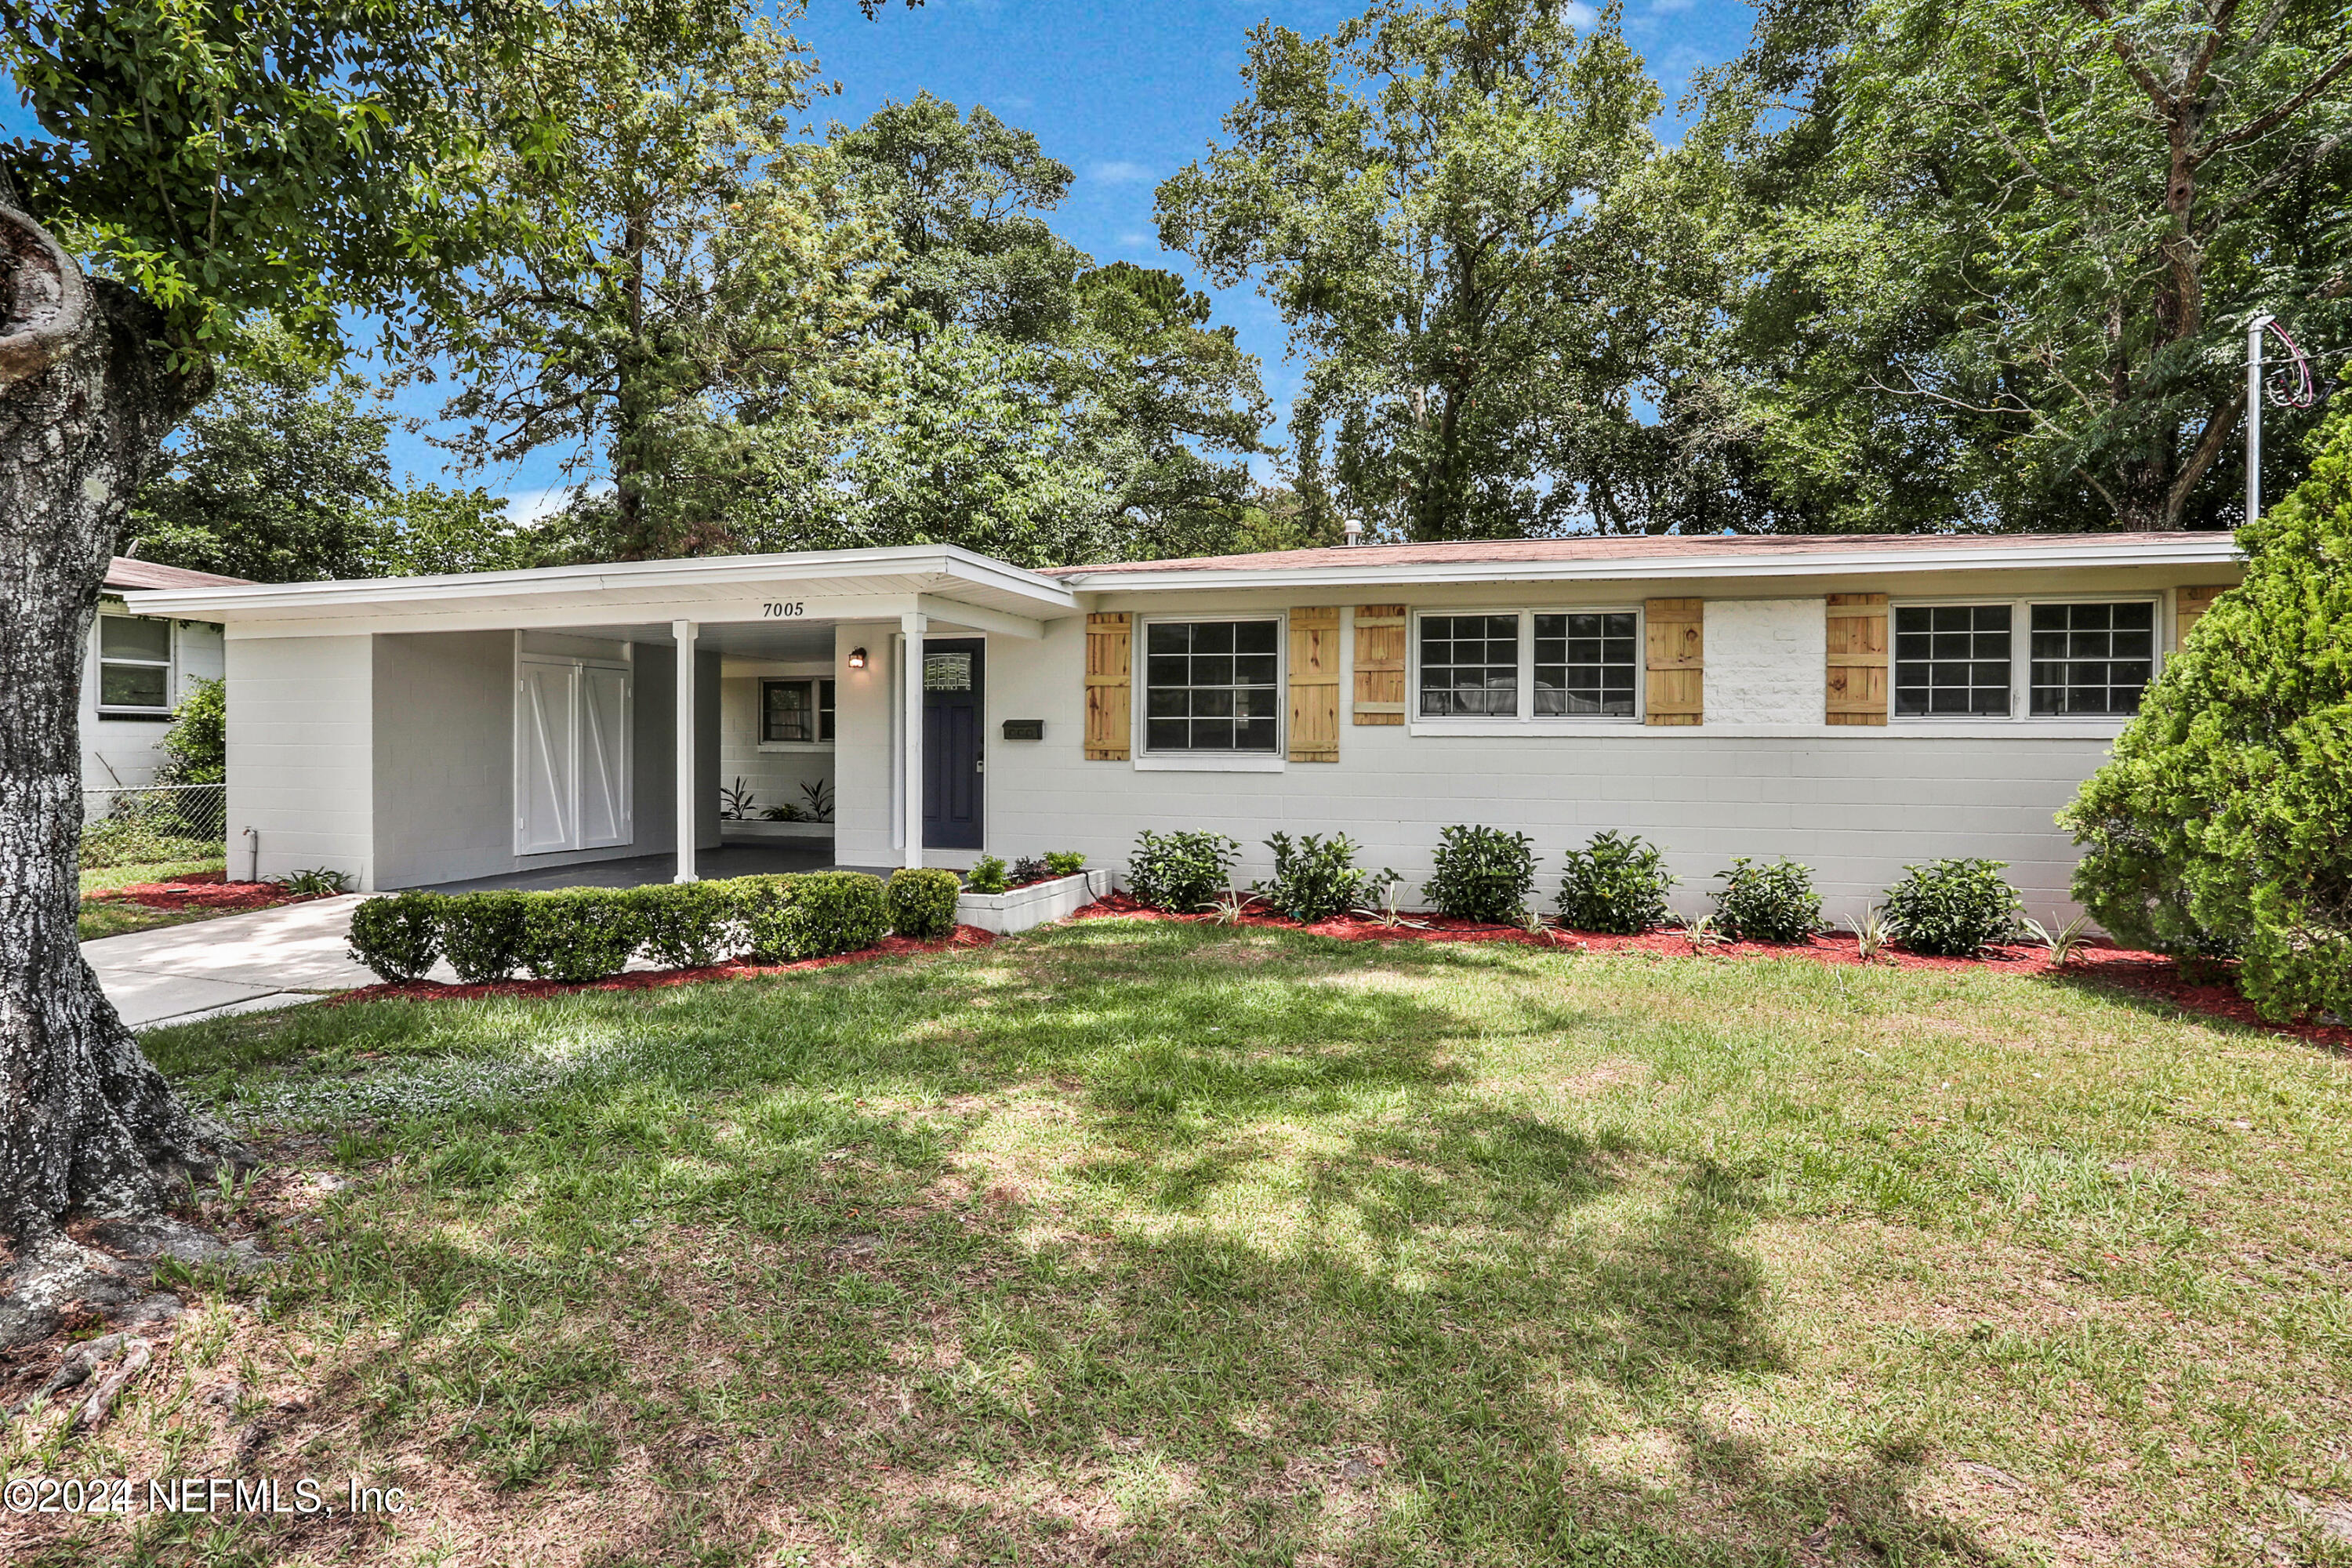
x=301, y=754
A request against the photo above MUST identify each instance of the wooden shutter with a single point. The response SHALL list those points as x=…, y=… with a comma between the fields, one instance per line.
x=1674, y=634
x=2189, y=605
x=1315, y=684
x=1110, y=640
x=1857, y=669
x=1379, y=664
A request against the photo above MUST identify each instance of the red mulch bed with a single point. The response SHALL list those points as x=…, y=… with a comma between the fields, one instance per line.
x=656, y=979
x=205, y=890
x=2150, y=974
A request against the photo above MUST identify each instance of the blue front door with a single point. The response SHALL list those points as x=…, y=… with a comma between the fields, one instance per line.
x=954, y=672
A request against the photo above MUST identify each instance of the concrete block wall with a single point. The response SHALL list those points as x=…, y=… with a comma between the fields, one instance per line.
x=301, y=754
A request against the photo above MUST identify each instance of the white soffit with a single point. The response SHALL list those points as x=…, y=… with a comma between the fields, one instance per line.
x=620, y=593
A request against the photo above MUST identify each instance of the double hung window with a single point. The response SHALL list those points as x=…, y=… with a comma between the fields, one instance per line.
x=1212, y=686
x=796, y=712
x=1528, y=665
x=134, y=666
x=2078, y=658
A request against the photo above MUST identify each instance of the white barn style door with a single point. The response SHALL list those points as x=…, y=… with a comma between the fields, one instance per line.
x=571, y=755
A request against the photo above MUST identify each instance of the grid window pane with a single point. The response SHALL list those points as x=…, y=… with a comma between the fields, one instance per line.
x=1585, y=665
x=2091, y=658
x=1209, y=686
x=1952, y=660
x=1469, y=666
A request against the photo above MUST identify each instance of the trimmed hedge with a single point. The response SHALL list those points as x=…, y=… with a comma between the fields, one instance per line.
x=923, y=904
x=581, y=934
x=814, y=915
x=398, y=937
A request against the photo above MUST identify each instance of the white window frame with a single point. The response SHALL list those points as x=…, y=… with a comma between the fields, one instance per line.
x=760, y=712
x=1526, y=722
x=170, y=665
x=2020, y=661
x=1140, y=700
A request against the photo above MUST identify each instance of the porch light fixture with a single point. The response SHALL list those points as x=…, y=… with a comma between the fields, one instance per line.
x=857, y=658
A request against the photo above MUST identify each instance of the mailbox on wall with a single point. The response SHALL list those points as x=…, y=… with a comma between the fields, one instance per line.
x=1024, y=728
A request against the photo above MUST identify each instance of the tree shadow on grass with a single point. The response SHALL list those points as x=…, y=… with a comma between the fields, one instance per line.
x=1303, y=1294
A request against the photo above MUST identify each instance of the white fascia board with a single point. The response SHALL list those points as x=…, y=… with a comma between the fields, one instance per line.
x=2223, y=551
x=617, y=589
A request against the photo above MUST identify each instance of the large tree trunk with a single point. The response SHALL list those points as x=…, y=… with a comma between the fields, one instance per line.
x=88, y=1127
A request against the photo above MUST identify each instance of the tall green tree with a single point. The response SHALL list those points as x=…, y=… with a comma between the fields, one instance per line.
x=190, y=165
x=1996, y=257
x=1430, y=196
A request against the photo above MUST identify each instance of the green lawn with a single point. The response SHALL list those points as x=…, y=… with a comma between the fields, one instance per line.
x=111, y=917
x=1135, y=1242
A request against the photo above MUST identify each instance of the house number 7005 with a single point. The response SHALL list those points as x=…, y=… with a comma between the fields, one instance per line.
x=771, y=609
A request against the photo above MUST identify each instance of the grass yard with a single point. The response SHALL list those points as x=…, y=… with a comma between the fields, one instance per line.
x=1131, y=1242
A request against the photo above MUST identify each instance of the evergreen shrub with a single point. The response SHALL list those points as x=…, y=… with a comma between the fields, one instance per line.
x=1616, y=885
x=814, y=914
x=1315, y=878
x=482, y=934
x=578, y=934
x=923, y=904
x=1952, y=908
x=397, y=936
x=1767, y=903
x=1181, y=871
x=1482, y=874
x=686, y=925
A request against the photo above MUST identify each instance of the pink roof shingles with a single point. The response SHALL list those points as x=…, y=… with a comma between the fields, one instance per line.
x=1761, y=547
x=123, y=571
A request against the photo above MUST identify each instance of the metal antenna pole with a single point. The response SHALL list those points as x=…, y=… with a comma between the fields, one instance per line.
x=2255, y=415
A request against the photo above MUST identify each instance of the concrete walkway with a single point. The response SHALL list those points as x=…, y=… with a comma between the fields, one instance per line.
x=238, y=963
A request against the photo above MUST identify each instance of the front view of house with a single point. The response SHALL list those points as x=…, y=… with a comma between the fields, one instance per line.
x=1855, y=702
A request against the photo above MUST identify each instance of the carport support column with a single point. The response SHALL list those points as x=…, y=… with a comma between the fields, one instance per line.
x=910, y=719
x=688, y=801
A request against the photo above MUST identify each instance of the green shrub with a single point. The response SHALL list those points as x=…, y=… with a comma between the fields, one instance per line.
x=197, y=742
x=399, y=936
x=1483, y=874
x=988, y=876
x=1181, y=871
x=1315, y=878
x=482, y=935
x=1615, y=885
x=1767, y=903
x=814, y=914
x=1029, y=869
x=2222, y=823
x=579, y=934
x=1952, y=908
x=923, y=904
x=1065, y=862
x=686, y=925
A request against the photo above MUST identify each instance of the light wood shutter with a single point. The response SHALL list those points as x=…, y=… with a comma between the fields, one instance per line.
x=1674, y=634
x=1110, y=640
x=1315, y=684
x=2189, y=605
x=1858, y=668
x=1379, y=664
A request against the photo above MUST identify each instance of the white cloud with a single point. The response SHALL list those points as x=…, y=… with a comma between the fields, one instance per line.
x=524, y=507
x=1581, y=15
x=1121, y=172
x=1137, y=241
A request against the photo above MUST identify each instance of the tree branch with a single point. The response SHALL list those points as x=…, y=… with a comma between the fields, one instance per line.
x=2280, y=115
x=45, y=304
x=2155, y=89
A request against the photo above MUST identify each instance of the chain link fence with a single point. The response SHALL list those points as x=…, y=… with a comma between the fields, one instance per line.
x=157, y=822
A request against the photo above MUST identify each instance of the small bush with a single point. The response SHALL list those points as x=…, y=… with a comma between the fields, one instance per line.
x=315, y=881
x=814, y=915
x=1315, y=878
x=397, y=937
x=482, y=936
x=1027, y=870
x=579, y=934
x=923, y=904
x=1952, y=908
x=197, y=742
x=686, y=925
x=1181, y=871
x=1065, y=862
x=988, y=876
x=1767, y=903
x=1614, y=885
x=1483, y=874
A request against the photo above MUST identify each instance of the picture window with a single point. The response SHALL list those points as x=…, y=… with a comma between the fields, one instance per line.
x=1212, y=686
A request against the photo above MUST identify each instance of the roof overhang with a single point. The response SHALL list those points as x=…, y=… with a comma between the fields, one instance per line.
x=941, y=581
x=1968, y=555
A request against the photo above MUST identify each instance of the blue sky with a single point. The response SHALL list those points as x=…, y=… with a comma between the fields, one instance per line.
x=1124, y=92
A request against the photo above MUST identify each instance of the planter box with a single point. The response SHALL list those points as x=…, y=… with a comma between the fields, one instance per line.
x=775, y=830
x=1034, y=905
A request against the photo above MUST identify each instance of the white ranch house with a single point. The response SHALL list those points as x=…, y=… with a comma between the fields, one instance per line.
x=1857, y=703
x=136, y=670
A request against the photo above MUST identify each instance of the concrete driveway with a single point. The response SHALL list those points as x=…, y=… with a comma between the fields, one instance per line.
x=238, y=963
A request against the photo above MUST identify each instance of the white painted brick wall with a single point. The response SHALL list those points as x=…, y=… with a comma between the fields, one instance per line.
x=1766, y=661
x=300, y=758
